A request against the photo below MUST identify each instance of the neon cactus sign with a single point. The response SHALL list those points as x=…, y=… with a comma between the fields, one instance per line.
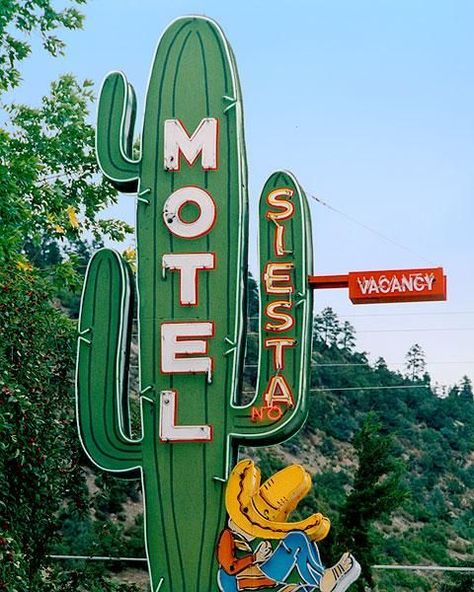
x=191, y=225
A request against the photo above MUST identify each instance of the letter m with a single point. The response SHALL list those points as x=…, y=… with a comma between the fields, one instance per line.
x=203, y=141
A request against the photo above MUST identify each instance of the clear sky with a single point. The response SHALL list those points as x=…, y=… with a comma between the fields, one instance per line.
x=371, y=105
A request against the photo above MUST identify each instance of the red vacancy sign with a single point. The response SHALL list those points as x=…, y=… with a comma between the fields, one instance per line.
x=388, y=285
x=397, y=285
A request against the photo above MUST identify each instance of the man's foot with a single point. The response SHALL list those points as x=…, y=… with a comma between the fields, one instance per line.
x=340, y=576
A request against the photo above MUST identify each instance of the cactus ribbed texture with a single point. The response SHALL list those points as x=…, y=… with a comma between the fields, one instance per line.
x=193, y=77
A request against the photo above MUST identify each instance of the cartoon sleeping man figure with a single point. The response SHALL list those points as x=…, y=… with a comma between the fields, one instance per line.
x=261, y=511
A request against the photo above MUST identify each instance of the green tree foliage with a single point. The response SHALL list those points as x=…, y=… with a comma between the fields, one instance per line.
x=465, y=389
x=19, y=19
x=327, y=327
x=458, y=582
x=346, y=339
x=329, y=332
x=377, y=491
x=85, y=578
x=39, y=454
x=251, y=353
x=415, y=362
x=51, y=195
x=432, y=435
x=49, y=184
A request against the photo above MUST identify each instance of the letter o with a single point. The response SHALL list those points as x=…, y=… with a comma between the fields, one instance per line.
x=274, y=413
x=203, y=223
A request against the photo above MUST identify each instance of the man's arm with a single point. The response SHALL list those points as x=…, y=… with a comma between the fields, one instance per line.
x=226, y=555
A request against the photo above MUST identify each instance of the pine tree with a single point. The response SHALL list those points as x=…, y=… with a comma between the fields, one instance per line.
x=377, y=491
x=347, y=337
x=415, y=362
x=327, y=327
x=465, y=389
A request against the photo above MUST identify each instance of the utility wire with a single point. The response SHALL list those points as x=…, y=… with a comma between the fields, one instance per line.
x=425, y=567
x=368, y=363
x=98, y=558
x=408, y=330
x=369, y=228
x=396, y=314
x=350, y=364
x=408, y=314
x=399, y=314
x=144, y=560
x=318, y=365
x=416, y=330
x=368, y=388
x=357, y=388
x=342, y=364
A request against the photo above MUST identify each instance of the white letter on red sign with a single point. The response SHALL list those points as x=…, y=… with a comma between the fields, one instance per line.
x=180, y=342
x=170, y=432
x=188, y=264
x=172, y=212
x=203, y=141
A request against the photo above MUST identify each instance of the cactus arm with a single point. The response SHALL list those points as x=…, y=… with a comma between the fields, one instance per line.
x=114, y=138
x=103, y=346
x=296, y=371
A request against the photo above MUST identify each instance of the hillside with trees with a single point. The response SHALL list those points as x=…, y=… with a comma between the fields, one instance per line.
x=426, y=515
x=392, y=469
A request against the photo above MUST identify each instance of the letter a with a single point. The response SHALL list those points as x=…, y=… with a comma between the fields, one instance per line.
x=278, y=392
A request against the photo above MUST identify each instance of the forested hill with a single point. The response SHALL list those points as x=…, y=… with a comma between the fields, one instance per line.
x=432, y=438
x=393, y=468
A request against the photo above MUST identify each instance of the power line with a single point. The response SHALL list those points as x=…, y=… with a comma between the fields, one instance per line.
x=407, y=314
x=317, y=365
x=408, y=330
x=395, y=314
x=144, y=560
x=425, y=567
x=357, y=388
x=368, y=388
x=415, y=330
x=369, y=228
x=367, y=316
x=342, y=364
x=350, y=364
x=98, y=558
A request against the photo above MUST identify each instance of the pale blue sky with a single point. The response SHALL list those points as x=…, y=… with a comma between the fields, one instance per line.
x=371, y=105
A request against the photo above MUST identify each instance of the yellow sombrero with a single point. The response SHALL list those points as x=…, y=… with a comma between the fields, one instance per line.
x=262, y=510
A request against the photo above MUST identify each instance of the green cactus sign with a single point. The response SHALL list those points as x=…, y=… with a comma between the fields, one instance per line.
x=190, y=183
